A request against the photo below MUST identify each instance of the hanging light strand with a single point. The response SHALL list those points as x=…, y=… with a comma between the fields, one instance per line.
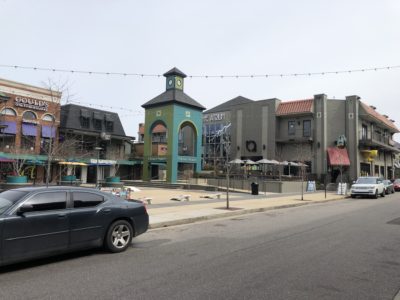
x=301, y=74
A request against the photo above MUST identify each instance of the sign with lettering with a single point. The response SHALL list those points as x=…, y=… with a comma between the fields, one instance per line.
x=31, y=103
x=187, y=159
x=215, y=117
x=311, y=186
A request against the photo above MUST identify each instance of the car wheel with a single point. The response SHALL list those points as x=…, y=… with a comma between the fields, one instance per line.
x=376, y=194
x=383, y=193
x=119, y=236
x=353, y=196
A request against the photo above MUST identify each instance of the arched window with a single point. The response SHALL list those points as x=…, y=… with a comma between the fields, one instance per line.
x=8, y=112
x=48, y=118
x=29, y=115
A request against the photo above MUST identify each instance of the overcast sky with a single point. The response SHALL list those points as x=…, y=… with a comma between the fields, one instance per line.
x=225, y=37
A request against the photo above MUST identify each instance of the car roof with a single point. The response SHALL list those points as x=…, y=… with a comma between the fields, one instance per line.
x=55, y=188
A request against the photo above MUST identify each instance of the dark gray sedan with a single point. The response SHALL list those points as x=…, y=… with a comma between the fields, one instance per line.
x=39, y=221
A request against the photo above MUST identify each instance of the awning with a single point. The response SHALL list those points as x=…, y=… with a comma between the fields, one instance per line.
x=5, y=159
x=10, y=127
x=48, y=131
x=338, y=156
x=29, y=129
x=72, y=163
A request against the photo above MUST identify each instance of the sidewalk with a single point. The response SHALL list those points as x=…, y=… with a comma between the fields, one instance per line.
x=168, y=213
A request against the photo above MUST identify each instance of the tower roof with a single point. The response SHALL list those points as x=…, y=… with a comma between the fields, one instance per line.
x=173, y=96
x=175, y=71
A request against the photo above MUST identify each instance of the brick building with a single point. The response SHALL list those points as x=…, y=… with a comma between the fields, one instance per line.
x=29, y=121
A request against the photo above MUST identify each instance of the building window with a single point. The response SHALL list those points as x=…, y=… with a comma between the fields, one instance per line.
x=109, y=126
x=364, y=132
x=97, y=124
x=291, y=127
x=45, y=145
x=29, y=115
x=28, y=143
x=85, y=122
x=8, y=112
x=48, y=118
x=306, y=128
x=8, y=141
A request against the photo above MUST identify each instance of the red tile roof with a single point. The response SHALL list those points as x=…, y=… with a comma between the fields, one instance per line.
x=378, y=116
x=295, y=107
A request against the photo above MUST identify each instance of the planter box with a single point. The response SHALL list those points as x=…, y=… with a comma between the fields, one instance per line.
x=113, y=179
x=17, y=179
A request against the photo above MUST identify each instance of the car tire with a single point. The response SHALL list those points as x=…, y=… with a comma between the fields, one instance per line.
x=353, y=196
x=383, y=193
x=376, y=194
x=119, y=236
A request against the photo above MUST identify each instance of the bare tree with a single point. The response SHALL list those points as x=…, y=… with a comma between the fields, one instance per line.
x=59, y=91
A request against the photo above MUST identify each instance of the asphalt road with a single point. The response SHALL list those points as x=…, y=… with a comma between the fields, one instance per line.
x=338, y=250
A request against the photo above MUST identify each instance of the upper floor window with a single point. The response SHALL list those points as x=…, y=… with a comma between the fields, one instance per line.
x=8, y=112
x=109, y=125
x=306, y=128
x=85, y=122
x=97, y=124
x=364, y=132
x=291, y=127
x=48, y=118
x=29, y=115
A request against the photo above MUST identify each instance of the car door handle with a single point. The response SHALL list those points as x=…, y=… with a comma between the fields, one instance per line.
x=62, y=216
x=106, y=210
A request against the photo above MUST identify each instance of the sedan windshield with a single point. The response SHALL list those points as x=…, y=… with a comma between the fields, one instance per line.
x=9, y=198
x=366, y=180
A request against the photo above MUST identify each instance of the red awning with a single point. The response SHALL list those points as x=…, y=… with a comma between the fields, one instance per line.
x=338, y=157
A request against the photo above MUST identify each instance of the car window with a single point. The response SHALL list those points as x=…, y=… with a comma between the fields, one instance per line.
x=48, y=201
x=367, y=180
x=9, y=198
x=85, y=199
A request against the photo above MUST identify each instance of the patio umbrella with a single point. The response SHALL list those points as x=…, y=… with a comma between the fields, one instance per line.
x=264, y=161
x=274, y=162
x=249, y=162
x=236, y=161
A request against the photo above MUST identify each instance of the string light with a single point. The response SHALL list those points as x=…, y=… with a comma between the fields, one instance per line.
x=132, y=111
x=203, y=76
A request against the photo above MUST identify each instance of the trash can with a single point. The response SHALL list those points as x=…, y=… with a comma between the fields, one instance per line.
x=254, y=188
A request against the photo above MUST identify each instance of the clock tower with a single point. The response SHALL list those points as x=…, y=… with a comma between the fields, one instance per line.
x=183, y=119
x=174, y=79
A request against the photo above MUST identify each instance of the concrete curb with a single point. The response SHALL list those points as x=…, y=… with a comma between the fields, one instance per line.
x=233, y=213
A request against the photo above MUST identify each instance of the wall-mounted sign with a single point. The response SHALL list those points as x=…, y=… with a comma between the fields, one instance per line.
x=215, y=117
x=31, y=103
x=187, y=159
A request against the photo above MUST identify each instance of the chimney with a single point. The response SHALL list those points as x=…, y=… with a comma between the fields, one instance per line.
x=386, y=116
x=373, y=107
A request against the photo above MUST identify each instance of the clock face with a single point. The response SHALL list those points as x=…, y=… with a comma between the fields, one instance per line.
x=170, y=82
x=179, y=82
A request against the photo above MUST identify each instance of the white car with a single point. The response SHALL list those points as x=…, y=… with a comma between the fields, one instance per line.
x=368, y=186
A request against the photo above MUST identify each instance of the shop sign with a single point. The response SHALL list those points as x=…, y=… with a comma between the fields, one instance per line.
x=187, y=159
x=31, y=103
x=214, y=117
x=103, y=161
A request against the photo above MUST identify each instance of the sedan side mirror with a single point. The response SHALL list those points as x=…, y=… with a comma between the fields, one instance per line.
x=24, y=208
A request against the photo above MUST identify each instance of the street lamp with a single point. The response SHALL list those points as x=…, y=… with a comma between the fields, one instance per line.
x=98, y=149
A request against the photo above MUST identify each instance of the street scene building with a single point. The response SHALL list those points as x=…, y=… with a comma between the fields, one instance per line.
x=70, y=141
x=330, y=136
x=29, y=121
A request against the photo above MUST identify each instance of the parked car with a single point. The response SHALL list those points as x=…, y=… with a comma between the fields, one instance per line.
x=396, y=185
x=368, y=186
x=38, y=221
x=389, y=188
